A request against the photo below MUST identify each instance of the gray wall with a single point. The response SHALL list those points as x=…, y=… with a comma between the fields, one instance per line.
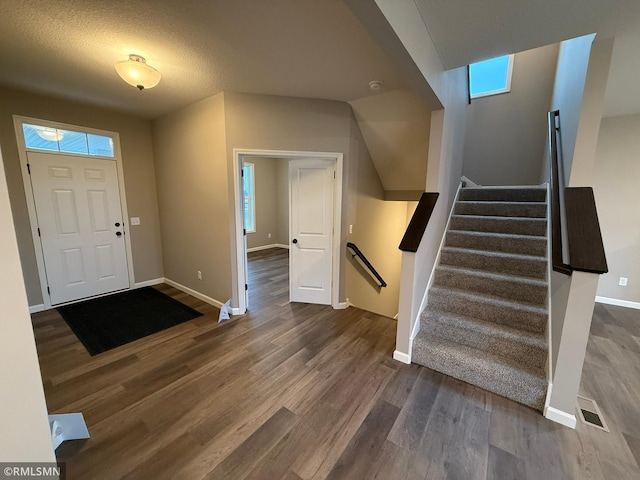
x=615, y=185
x=272, y=202
x=506, y=134
x=193, y=198
x=137, y=163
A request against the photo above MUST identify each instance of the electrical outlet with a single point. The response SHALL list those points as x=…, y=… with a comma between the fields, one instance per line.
x=199, y=275
x=623, y=281
x=350, y=228
x=135, y=220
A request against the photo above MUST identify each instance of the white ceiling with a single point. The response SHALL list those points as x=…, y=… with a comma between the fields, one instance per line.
x=302, y=48
x=466, y=31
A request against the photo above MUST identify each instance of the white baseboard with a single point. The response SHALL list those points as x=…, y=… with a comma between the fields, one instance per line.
x=190, y=291
x=149, y=283
x=235, y=311
x=341, y=306
x=619, y=303
x=267, y=247
x=36, y=308
x=561, y=417
x=401, y=357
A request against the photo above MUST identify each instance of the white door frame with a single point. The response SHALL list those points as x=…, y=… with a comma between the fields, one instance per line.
x=18, y=120
x=239, y=155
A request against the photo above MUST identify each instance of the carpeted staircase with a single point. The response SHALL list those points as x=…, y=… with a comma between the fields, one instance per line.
x=486, y=317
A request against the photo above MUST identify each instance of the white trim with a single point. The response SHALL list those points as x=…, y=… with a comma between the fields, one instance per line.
x=416, y=329
x=267, y=247
x=558, y=416
x=18, y=120
x=619, y=303
x=401, y=357
x=506, y=89
x=193, y=293
x=239, y=154
x=341, y=306
x=425, y=302
x=235, y=311
x=36, y=308
x=149, y=283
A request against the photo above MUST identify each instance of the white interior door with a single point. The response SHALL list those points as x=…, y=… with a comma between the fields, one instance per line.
x=81, y=226
x=310, y=259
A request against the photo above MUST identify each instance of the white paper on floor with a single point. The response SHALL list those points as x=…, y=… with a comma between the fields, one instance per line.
x=224, y=311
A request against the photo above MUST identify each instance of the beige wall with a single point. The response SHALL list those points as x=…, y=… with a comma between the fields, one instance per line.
x=378, y=227
x=23, y=411
x=193, y=198
x=139, y=177
x=615, y=185
x=282, y=176
x=266, y=202
x=506, y=134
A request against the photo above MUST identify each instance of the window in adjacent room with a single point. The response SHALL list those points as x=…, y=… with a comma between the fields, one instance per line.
x=490, y=77
x=248, y=179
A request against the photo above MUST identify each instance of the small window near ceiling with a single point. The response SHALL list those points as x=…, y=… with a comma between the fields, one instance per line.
x=490, y=77
x=248, y=178
x=40, y=137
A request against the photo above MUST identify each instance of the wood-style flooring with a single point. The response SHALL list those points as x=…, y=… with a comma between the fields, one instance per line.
x=295, y=391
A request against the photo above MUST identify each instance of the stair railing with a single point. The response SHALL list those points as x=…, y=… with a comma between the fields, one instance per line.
x=366, y=264
x=576, y=239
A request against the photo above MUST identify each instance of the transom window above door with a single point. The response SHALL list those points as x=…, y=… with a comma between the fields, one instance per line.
x=40, y=137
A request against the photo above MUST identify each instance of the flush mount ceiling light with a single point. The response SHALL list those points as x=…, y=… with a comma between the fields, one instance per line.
x=50, y=134
x=136, y=72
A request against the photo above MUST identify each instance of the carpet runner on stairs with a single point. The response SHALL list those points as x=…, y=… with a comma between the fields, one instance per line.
x=486, y=317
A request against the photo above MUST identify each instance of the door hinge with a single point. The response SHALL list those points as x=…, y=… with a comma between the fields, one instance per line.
x=246, y=286
x=242, y=172
x=48, y=290
x=244, y=231
x=334, y=174
x=29, y=168
x=39, y=231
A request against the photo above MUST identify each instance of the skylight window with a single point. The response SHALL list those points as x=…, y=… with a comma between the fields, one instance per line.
x=490, y=77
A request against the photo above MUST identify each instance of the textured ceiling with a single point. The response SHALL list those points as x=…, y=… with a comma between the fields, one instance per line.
x=466, y=31
x=303, y=48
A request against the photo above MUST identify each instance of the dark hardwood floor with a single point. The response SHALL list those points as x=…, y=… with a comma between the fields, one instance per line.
x=298, y=391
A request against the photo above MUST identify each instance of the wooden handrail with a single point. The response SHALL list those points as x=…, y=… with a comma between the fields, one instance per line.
x=418, y=224
x=576, y=239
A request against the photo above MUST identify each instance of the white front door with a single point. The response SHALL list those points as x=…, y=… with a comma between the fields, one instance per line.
x=310, y=259
x=81, y=225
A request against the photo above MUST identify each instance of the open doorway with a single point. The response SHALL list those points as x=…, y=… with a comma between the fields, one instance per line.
x=305, y=211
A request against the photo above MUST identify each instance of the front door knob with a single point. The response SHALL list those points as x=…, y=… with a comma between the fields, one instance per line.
x=118, y=234
x=295, y=240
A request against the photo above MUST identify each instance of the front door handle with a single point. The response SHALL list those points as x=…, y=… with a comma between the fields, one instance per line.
x=295, y=240
x=118, y=234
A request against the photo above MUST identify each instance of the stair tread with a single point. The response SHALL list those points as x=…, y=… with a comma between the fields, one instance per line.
x=490, y=253
x=504, y=376
x=515, y=236
x=492, y=299
x=502, y=219
x=499, y=330
x=494, y=276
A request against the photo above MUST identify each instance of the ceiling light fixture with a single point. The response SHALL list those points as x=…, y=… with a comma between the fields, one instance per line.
x=136, y=72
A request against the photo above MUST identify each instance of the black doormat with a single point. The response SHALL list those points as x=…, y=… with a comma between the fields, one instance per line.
x=108, y=322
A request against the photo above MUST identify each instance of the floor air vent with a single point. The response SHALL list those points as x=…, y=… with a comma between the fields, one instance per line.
x=589, y=413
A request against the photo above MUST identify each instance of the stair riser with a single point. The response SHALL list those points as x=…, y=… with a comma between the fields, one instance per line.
x=525, y=246
x=491, y=312
x=504, y=194
x=531, y=393
x=502, y=210
x=510, y=266
x=510, y=348
x=509, y=290
x=500, y=225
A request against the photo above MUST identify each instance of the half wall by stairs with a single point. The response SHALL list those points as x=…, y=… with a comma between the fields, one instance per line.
x=486, y=317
